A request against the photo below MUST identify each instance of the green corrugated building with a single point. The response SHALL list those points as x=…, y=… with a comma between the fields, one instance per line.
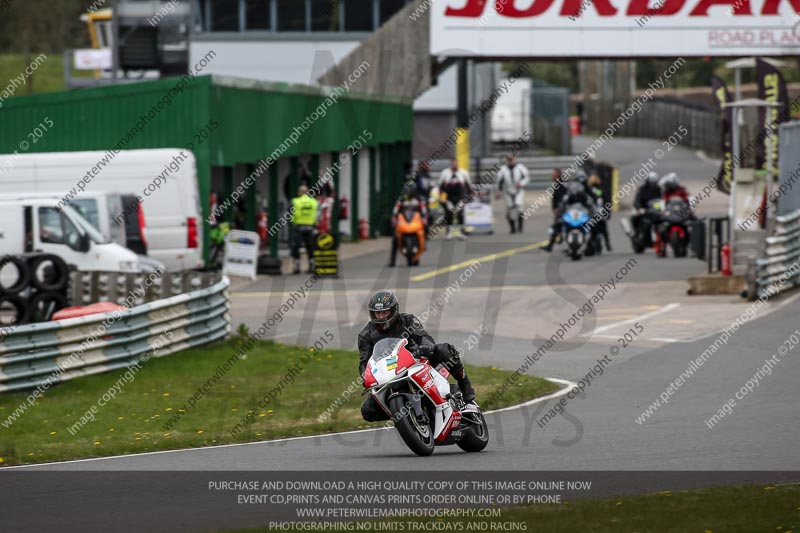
x=255, y=121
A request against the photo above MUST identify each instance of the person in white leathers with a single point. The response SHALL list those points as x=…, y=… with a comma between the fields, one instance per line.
x=454, y=182
x=511, y=181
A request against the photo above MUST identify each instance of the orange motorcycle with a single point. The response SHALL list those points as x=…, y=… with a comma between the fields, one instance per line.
x=410, y=235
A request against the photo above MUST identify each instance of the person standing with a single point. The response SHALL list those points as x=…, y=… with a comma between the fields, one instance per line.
x=559, y=190
x=512, y=180
x=424, y=180
x=304, y=219
x=456, y=186
x=602, y=214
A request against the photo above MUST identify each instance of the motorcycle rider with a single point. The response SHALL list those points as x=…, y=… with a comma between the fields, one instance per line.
x=456, y=184
x=671, y=187
x=512, y=180
x=559, y=190
x=387, y=321
x=410, y=197
x=650, y=190
x=642, y=221
x=577, y=193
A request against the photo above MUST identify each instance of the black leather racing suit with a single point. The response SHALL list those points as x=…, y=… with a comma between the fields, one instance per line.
x=642, y=222
x=407, y=326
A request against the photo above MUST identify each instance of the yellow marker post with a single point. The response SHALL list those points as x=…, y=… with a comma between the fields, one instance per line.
x=462, y=148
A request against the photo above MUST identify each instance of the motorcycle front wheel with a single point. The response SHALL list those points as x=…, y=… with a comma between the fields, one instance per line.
x=476, y=437
x=409, y=243
x=416, y=432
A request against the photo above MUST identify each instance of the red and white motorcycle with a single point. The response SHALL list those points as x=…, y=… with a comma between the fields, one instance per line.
x=427, y=410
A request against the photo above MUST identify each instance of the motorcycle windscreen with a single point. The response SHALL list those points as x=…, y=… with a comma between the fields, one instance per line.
x=385, y=348
x=576, y=215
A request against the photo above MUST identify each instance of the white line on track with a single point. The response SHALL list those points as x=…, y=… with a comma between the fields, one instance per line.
x=645, y=316
x=657, y=339
x=567, y=386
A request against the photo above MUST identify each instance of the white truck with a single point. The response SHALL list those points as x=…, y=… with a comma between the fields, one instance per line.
x=163, y=180
x=34, y=225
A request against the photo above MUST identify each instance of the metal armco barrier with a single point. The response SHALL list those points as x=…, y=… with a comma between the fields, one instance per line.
x=92, y=287
x=53, y=352
x=781, y=253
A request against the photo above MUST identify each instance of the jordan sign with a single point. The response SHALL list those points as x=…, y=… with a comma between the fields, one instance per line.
x=614, y=28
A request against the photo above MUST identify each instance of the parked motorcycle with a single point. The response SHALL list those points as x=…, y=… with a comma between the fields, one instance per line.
x=675, y=226
x=577, y=233
x=427, y=410
x=410, y=234
x=642, y=227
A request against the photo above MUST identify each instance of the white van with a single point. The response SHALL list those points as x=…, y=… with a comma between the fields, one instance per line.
x=163, y=180
x=34, y=225
x=511, y=113
x=98, y=208
x=104, y=211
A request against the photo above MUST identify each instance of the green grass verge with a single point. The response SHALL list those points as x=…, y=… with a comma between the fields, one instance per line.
x=750, y=509
x=48, y=77
x=133, y=422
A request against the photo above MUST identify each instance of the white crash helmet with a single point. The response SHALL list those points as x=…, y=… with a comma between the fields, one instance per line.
x=652, y=177
x=669, y=180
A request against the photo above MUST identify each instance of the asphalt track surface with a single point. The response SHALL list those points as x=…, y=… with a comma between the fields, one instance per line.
x=598, y=429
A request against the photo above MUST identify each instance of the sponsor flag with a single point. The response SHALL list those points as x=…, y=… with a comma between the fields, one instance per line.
x=721, y=97
x=772, y=88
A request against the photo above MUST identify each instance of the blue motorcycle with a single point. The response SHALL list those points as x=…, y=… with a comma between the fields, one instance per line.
x=577, y=232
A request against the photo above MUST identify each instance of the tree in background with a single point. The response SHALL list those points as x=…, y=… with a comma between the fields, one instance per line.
x=32, y=27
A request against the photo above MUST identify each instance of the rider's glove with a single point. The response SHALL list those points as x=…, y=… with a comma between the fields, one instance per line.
x=424, y=351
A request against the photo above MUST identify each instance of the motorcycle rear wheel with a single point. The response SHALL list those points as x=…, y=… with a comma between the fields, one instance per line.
x=638, y=245
x=416, y=433
x=678, y=246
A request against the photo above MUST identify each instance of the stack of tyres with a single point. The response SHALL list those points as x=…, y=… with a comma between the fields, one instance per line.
x=32, y=287
x=15, y=278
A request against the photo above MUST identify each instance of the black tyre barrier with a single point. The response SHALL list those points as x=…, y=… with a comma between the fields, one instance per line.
x=269, y=265
x=48, y=277
x=39, y=290
x=42, y=306
x=23, y=274
x=13, y=310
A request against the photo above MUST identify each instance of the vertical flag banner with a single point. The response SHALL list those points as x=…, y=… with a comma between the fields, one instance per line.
x=721, y=97
x=772, y=88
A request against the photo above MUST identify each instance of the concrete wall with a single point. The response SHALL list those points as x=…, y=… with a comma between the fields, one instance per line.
x=270, y=60
x=298, y=61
